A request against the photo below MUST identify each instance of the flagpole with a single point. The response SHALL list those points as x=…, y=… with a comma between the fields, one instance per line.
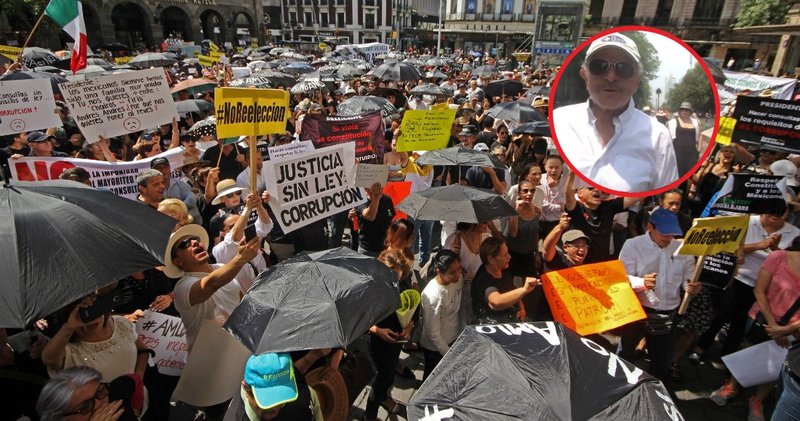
x=30, y=36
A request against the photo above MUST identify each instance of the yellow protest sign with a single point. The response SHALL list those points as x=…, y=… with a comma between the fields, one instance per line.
x=440, y=106
x=212, y=46
x=721, y=234
x=592, y=298
x=216, y=54
x=424, y=130
x=250, y=111
x=323, y=46
x=10, y=52
x=122, y=60
x=206, y=61
x=726, y=125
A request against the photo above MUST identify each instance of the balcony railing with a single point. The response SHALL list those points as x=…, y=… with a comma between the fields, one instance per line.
x=491, y=17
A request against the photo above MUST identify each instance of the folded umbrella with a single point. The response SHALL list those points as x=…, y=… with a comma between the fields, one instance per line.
x=456, y=203
x=314, y=300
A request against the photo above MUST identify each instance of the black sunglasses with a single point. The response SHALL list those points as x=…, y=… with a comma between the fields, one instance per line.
x=599, y=67
x=86, y=407
x=185, y=243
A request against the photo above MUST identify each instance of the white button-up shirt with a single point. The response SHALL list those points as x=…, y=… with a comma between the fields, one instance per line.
x=748, y=270
x=639, y=157
x=641, y=256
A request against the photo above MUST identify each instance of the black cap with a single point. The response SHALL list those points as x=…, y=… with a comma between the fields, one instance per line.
x=159, y=161
x=39, y=137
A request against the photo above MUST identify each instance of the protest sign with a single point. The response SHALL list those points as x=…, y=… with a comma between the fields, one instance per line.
x=440, y=106
x=717, y=270
x=27, y=105
x=768, y=122
x=119, y=104
x=424, y=130
x=10, y=52
x=397, y=191
x=721, y=234
x=165, y=335
x=726, y=125
x=212, y=46
x=735, y=82
x=257, y=81
x=369, y=174
x=250, y=111
x=216, y=54
x=117, y=177
x=592, y=298
x=206, y=61
x=277, y=153
x=758, y=364
x=308, y=187
x=366, y=130
x=122, y=60
x=752, y=193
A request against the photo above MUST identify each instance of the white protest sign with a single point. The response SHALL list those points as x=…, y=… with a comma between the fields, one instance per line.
x=308, y=187
x=118, y=104
x=27, y=105
x=166, y=336
x=369, y=174
x=277, y=153
x=757, y=364
x=116, y=177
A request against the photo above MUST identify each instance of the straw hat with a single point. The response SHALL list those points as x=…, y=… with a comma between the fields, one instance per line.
x=332, y=393
x=170, y=269
x=224, y=188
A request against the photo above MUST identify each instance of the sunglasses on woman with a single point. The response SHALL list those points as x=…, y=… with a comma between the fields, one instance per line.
x=599, y=67
x=87, y=407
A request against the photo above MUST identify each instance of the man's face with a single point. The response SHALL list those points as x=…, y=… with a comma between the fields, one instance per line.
x=576, y=250
x=42, y=148
x=661, y=240
x=23, y=138
x=590, y=197
x=166, y=172
x=153, y=191
x=611, y=91
x=467, y=140
x=189, y=251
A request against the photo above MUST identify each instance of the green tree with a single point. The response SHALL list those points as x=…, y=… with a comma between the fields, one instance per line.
x=695, y=88
x=572, y=89
x=762, y=12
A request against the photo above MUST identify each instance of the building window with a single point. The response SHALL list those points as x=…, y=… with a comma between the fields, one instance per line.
x=369, y=2
x=596, y=10
x=290, y=2
x=308, y=20
x=628, y=14
x=293, y=18
x=323, y=19
x=369, y=21
x=307, y=2
x=707, y=12
x=321, y=2
x=340, y=2
x=340, y=20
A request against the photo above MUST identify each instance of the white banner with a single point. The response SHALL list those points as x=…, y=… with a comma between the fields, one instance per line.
x=27, y=105
x=166, y=336
x=118, y=104
x=116, y=177
x=308, y=187
x=735, y=82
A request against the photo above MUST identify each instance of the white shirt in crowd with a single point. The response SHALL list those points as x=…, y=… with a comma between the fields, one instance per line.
x=226, y=250
x=642, y=256
x=748, y=271
x=441, y=309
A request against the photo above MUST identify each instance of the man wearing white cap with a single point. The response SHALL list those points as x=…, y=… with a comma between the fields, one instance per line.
x=606, y=138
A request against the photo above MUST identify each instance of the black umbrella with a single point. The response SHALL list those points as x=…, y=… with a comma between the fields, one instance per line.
x=205, y=127
x=37, y=56
x=348, y=71
x=252, y=82
x=437, y=62
x=62, y=240
x=275, y=77
x=47, y=69
x=399, y=99
x=322, y=76
x=431, y=89
x=414, y=61
x=395, y=71
x=456, y=203
x=716, y=70
x=147, y=60
x=193, y=106
x=314, y=300
x=307, y=87
x=364, y=104
x=503, y=87
x=536, y=128
x=540, y=90
x=515, y=111
x=435, y=74
x=485, y=71
x=99, y=62
x=54, y=78
x=537, y=371
x=456, y=155
x=298, y=68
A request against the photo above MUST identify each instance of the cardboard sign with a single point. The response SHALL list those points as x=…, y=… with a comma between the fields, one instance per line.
x=768, y=122
x=115, y=105
x=166, y=336
x=250, y=111
x=206, y=61
x=117, y=177
x=27, y=105
x=726, y=125
x=369, y=174
x=308, y=187
x=758, y=364
x=718, y=270
x=423, y=130
x=10, y=52
x=277, y=153
x=752, y=193
x=366, y=131
x=721, y=234
x=592, y=298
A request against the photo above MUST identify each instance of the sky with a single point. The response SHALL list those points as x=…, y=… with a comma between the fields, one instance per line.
x=675, y=62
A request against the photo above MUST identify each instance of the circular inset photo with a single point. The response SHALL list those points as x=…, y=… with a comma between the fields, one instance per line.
x=629, y=107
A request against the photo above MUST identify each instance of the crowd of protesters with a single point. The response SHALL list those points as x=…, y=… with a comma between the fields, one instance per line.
x=487, y=272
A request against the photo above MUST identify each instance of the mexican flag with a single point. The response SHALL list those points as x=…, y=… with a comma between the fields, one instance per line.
x=68, y=14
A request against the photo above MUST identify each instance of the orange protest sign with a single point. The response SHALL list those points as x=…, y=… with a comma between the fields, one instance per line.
x=397, y=191
x=592, y=298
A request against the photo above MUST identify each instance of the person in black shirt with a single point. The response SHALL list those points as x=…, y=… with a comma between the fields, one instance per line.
x=234, y=160
x=574, y=250
x=374, y=219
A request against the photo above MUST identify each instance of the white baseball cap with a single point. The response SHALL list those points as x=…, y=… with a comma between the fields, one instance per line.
x=616, y=40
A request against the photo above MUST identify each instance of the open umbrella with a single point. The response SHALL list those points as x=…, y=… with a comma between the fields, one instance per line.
x=91, y=70
x=54, y=78
x=307, y=87
x=251, y=82
x=435, y=74
x=515, y=111
x=456, y=155
x=297, y=68
x=47, y=69
x=503, y=87
x=348, y=71
x=536, y=128
x=414, y=61
x=437, y=62
x=204, y=127
x=395, y=71
x=314, y=300
x=294, y=56
x=399, y=99
x=194, y=85
x=275, y=77
x=364, y=104
x=99, y=62
x=147, y=60
x=322, y=76
x=37, y=56
x=431, y=89
x=193, y=106
x=62, y=240
x=485, y=71
x=456, y=203
x=537, y=371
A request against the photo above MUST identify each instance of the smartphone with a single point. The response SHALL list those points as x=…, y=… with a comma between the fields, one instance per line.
x=250, y=232
x=106, y=303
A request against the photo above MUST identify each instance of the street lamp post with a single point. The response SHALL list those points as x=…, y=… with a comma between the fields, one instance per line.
x=658, y=97
x=439, y=38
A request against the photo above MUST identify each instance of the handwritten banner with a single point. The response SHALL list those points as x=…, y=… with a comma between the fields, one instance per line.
x=592, y=298
x=369, y=174
x=115, y=105
x=250, y=111
x=308, y=187
x=27, y=105
x=423, y=130
x=277, y=153
x=165, y=335
x=366, y=131
x=721, y=234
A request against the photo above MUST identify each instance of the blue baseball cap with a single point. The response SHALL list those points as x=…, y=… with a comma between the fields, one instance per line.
x=665, y=222
x=271, y=378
